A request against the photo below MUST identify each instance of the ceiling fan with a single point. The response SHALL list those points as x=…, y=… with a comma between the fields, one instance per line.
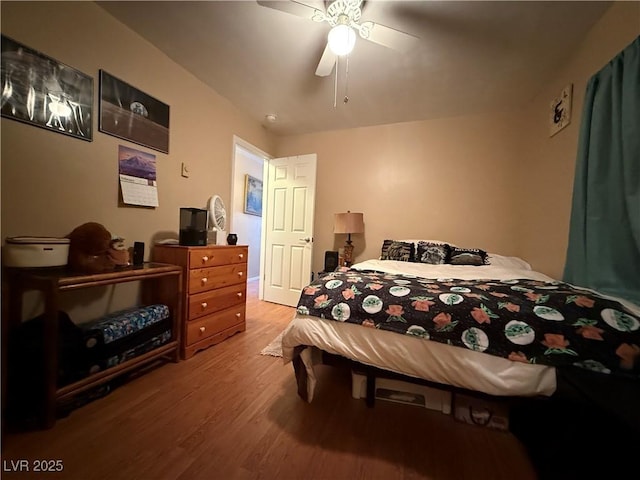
x=344, y=17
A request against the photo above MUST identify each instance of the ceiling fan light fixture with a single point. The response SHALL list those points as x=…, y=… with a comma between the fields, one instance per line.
x=342, y=39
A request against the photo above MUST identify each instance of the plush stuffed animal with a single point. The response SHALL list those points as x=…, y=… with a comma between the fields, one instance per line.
x=89, y=248
x=118, y=252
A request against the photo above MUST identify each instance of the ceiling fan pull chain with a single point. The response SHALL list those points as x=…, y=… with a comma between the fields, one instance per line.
x=346, y=82
x=335, y=85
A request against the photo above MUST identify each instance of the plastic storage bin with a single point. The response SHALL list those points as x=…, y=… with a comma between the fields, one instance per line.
x=403, y=392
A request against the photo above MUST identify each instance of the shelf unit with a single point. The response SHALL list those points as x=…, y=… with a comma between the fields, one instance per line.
x=162, y=283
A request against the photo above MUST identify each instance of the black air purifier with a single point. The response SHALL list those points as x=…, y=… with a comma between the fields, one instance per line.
x=193, y=227
x=330, y=261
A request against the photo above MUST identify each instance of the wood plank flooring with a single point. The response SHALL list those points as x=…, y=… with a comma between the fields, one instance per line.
x=231, y=413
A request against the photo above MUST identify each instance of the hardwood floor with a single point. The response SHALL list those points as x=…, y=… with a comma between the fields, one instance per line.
x=231, y=413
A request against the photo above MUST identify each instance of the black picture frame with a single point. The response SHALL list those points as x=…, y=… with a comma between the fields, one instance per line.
x=41, y=91
x=130, y=114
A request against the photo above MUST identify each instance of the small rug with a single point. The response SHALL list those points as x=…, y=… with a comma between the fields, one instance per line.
x=274, y=348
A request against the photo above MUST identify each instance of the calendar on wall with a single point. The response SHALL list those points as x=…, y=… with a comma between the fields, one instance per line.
x=138, y=180
x=560, y=111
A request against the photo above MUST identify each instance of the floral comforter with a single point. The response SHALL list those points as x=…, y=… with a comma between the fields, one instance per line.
x=531, y=321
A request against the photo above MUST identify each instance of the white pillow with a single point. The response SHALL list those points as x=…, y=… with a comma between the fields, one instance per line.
x=508, y=262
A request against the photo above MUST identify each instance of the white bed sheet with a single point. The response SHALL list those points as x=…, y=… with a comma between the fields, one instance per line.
x=423, y=358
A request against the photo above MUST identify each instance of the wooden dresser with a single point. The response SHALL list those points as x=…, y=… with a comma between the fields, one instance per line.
x=214, y=292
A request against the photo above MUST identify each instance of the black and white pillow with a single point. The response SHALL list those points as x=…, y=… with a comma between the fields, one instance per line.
x=394, y=250
x=433, y=253
x=468, y=256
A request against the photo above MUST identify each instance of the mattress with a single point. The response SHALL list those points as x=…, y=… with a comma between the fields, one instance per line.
x=421, y=358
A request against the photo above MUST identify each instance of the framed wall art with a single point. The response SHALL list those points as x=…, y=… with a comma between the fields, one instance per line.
x=560, y=111
x=252, y=195
x=41, y=91
x=128, y=113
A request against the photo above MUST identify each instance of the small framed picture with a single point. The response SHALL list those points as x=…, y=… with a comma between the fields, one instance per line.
x=41, y=91
x=560, y=111
x=252, y=195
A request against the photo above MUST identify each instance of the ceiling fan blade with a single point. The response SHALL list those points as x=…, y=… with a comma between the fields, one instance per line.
x=294, y=8
x=387, y=36
x=328, y=60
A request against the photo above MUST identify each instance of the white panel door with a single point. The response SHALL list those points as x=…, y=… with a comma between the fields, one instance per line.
x=289, y=211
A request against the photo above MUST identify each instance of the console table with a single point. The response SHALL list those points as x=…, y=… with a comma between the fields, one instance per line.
x=162, y=283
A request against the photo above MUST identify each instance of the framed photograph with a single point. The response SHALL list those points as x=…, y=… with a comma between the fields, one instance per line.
x=128, y=113
x=40, y=91
x=252, y=195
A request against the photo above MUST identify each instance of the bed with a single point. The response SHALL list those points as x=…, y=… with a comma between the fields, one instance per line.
x=496, y=326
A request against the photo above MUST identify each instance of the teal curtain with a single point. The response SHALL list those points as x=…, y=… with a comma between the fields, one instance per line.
x=604, y=236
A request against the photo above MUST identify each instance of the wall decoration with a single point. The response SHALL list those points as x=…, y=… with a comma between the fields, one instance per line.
x=252, y=195
x=138, y=180
x=38, y=90
x=560, y=111
x=128, y=113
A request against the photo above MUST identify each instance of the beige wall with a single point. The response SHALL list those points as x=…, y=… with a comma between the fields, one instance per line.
x=546, y=167
x=51, y=182
x=449, y=179
x=496, y=182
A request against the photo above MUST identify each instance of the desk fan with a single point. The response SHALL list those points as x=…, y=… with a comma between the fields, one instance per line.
x=217, y=223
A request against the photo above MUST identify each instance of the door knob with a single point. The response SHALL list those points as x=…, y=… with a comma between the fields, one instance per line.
x=306, y=239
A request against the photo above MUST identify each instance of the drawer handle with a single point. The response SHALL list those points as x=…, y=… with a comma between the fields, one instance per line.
x=205, y=259
x=204, y=281
x=204, y=305
x=202, y=329
x=240, y=274
x=241, y=255
x=239, y=294
x=238, y=315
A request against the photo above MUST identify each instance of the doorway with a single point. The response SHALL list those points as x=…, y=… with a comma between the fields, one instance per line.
x=280, y=236
x=247, y=161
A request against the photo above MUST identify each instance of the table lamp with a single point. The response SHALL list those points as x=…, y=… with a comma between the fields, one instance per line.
x=348, y=223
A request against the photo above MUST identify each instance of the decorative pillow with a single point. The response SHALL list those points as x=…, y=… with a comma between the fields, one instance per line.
x=394, y=250
x=468, y=256
x=429, y=240
x=434, y=253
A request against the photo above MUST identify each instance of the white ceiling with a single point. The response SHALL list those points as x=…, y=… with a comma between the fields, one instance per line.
x=472, y=57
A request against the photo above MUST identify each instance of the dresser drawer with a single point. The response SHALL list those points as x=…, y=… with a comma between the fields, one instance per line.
x=204, y=279
x=212, y=257
x=207, y=326
x=212, y=301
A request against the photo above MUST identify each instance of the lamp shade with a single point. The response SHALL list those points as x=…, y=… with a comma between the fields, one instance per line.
x=341, y=39
x=348, y=223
